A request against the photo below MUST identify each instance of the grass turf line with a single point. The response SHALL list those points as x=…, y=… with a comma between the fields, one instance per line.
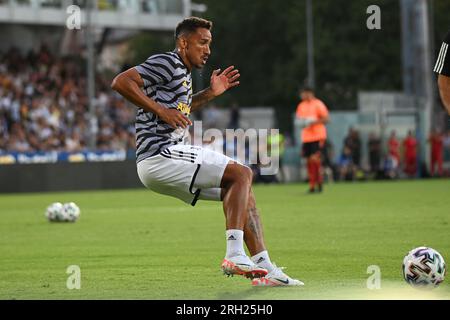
x=135, y=244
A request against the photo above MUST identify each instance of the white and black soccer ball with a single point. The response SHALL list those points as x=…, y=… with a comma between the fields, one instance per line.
x=424, y=267
x=55, y=212
x=71, y=212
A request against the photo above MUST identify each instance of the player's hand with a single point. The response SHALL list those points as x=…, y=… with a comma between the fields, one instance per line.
x=222, y=81
x=174, y=118
x=305, y=122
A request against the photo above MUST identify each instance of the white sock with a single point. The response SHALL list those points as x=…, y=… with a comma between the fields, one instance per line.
x=235, y=242
x=262, y=260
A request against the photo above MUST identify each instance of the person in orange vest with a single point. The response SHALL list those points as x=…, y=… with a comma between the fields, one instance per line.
x=312, y=114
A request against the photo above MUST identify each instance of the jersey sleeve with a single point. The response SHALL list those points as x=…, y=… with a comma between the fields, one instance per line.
x=298, y=112
x=442, y=65
x=322, y=110
x=155, y=71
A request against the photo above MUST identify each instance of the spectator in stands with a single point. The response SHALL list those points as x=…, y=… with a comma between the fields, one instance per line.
x=119, y=140
x=374, y=147
x=328, y=166
x=390, y=166
x=3, y=133
x=275, y=148
x=353, y=142
x=410, y=155
x=447, y=147
x=18, y=140
x=105, y=135
x=346, y=166
x=394, y=147
x=73, y=142
x=43, y=105
x=234, y=117
x=211, y=117
x=436, y=140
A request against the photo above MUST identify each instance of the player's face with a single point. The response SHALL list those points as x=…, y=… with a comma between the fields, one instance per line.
x=198, y=47
x=306, y=95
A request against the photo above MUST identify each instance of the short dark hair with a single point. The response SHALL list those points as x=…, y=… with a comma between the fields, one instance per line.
x=307, y=88
x=191, y=24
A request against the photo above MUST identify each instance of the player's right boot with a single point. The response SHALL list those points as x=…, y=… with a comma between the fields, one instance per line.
x=276, y=278
x=242, y=265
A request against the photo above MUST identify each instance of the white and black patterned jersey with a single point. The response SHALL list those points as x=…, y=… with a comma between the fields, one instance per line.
x=442, y=65
x=168, y=82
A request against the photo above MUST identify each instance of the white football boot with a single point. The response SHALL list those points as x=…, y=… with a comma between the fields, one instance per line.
x=242, y=265
x=276, y=278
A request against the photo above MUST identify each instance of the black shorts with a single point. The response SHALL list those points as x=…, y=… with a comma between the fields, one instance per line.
x=309, y=148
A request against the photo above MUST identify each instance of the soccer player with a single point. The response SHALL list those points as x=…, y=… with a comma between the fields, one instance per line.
x=442, y=67
x=312, y=115
x=161, y=88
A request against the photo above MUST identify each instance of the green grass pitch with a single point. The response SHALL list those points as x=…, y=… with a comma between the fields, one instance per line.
x=135, y=244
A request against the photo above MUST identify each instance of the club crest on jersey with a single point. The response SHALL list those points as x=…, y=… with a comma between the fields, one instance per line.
x=184, y=108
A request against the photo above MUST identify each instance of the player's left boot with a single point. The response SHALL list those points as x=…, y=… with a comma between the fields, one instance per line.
x=276, y=278
x=242, y=265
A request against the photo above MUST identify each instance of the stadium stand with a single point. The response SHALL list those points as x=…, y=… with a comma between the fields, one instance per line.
x=43, y=106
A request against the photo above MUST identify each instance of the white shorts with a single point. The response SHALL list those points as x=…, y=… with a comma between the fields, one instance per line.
x=185, y=172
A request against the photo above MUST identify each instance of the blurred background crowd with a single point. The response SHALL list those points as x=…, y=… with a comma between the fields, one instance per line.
x=43, y=106
x=374, y=86
x=397, y=157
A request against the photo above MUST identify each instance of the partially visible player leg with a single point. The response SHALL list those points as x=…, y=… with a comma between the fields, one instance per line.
x=311, y=174
x=318, y=170
x=253, y=231
x=236, y=183
x=254, y=239
x=190, y=173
